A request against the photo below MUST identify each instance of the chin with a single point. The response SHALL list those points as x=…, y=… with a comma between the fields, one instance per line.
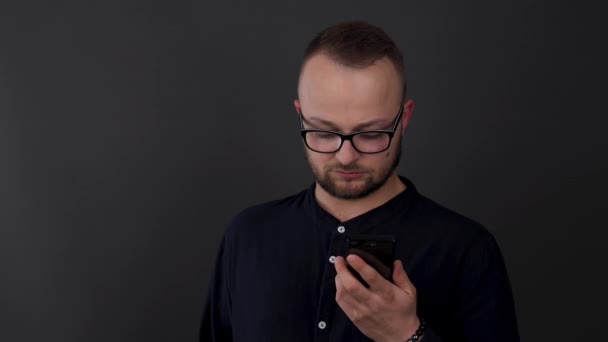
x=348, y=189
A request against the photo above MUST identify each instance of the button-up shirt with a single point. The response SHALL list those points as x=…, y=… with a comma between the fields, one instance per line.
x=274, y=275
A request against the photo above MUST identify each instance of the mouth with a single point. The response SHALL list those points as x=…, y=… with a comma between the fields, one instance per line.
x=348, y=174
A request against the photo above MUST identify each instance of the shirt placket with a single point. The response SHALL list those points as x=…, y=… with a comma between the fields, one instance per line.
x=327, y=303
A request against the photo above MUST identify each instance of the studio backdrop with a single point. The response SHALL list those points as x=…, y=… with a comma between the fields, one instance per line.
x=131, y=132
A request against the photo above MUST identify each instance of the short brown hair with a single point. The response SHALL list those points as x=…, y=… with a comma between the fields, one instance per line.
x=356, y=44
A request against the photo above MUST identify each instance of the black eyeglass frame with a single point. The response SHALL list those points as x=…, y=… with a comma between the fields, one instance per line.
x=350, y=136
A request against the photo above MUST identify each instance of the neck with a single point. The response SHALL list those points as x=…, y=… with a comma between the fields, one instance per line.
x=345, y=210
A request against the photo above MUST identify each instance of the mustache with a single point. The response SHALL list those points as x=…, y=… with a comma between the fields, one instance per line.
x=347, y=168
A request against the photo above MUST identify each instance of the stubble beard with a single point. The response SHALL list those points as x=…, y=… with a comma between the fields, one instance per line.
x=370, y=183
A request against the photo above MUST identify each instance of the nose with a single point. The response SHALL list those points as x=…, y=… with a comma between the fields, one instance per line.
x=347, y=153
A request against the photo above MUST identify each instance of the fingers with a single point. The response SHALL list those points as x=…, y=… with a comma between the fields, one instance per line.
x=376, y=281
x=373, y=261
x=401, y=279
x=349, y=283
x=354, y=310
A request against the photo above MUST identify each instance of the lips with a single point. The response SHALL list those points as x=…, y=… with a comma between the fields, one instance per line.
x=348, y=174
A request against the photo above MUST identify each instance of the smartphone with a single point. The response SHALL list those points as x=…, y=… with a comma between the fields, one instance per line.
x=378, y=251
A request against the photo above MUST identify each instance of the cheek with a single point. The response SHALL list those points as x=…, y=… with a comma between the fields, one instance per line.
x=383, y=156
x=318, y=159
x=388, y=154
x=377, y=162
x=372, y=162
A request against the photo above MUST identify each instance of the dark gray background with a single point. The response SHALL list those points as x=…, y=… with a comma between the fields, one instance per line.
x=131, y=132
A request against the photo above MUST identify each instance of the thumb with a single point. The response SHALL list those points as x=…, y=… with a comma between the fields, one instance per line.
x=401, y=279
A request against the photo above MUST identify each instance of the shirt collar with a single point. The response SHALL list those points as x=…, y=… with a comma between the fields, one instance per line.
x=369, y=220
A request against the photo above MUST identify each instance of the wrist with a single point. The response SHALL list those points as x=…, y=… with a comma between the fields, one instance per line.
x=414, y=331
x=411, y=328
x=407, y=330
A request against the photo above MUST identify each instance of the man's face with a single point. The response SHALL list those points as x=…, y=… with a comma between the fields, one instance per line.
x=343, y=99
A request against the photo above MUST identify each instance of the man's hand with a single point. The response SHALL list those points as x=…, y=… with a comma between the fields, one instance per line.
x=384, y=312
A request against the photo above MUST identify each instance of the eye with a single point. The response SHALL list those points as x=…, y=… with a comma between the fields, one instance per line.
x=324, y=135
x=371, y=136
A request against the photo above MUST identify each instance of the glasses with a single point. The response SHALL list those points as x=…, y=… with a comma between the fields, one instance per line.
x=374, y=141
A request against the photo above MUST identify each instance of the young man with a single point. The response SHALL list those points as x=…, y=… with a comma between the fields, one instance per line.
x=281, y=272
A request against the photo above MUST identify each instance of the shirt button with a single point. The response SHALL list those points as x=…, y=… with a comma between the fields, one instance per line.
x=322, y=325
x=341, y=229
x=332, y=259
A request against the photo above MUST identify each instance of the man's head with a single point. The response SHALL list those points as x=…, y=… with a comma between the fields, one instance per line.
x=351, y=80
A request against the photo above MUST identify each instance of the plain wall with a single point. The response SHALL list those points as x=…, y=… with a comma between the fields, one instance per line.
x=131, y=132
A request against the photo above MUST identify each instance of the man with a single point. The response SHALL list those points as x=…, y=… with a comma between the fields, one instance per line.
x=281, y=275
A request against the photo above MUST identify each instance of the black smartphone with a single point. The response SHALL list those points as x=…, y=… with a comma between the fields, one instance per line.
x=377, y=251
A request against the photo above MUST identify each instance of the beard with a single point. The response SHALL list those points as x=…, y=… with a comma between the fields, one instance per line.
x=371, y=183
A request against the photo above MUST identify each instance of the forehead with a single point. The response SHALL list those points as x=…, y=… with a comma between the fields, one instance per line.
x=343, y=93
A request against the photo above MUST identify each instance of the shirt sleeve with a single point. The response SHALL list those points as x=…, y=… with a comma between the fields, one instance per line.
x=216, y=322
x=485, y=310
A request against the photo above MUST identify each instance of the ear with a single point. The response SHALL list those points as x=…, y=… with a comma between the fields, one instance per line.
x=408, y=110
x=296, y=104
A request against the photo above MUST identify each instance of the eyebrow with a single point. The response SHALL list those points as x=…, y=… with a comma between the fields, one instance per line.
x=332, y=126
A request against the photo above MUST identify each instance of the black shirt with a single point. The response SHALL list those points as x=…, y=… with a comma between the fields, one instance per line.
x=274, y=281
